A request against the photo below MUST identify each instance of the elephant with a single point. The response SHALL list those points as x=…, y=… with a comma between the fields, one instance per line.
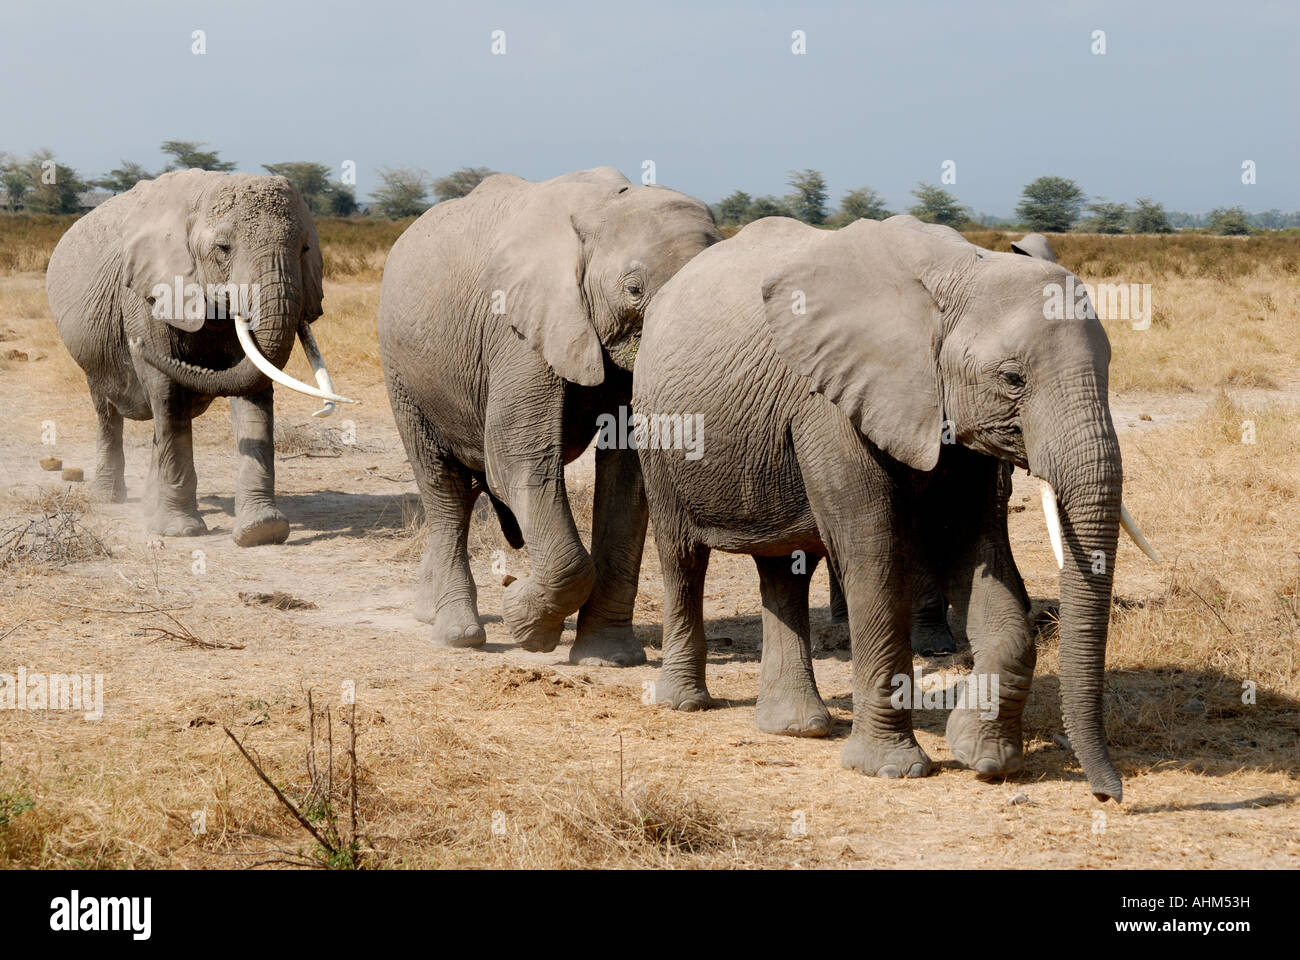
x=861, y=390
x=185, y=288
x=931, y=634
x=508, y=323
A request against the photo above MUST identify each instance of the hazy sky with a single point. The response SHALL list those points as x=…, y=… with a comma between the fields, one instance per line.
x=711, y=92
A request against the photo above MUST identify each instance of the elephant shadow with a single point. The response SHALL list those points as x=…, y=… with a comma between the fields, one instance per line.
x=1160, y=716
x=330, y=514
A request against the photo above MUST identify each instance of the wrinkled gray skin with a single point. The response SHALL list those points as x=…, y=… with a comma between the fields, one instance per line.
x=207, y=228
x=823, y=434
x=501, y=401
x=931, y=634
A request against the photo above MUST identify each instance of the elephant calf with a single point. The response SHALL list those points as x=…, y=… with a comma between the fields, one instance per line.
x=859, y=390
x=508, y=321
x=185, y=288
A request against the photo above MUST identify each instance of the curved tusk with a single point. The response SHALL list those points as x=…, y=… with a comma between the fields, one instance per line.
x=317, y=361
x=1131, y=528
x=1053, y=518
x=274, y=372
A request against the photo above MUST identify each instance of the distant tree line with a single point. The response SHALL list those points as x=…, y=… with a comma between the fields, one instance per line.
x=39, y=184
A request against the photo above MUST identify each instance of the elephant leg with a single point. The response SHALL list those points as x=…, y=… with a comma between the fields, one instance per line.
x=525, y=470
x=257, y=519
x=445, y=593
x=930, y=633
x=981, y=578
x=110, y=474
x=171, y=500
x=681, y=682
x=618, y=526
x=839, y=606
x=788, y=701
x=860, y=513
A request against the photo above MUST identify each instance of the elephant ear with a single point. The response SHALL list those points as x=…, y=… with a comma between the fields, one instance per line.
x=156, y=248
x=313, y=289
x=1034, y=245
x=533, y=280
x=869, y=332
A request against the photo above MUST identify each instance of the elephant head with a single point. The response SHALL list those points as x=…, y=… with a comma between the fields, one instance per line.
x=923, y=338
x=578, y=264
x=215, y=254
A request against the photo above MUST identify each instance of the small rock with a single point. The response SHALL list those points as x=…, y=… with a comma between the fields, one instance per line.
x=1144, y=416
x=51, y=463
x=15, y=355
x=74, y=474
x=1194, y=705
x=1019, y=799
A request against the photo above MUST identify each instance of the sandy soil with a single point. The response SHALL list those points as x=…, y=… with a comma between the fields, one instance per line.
x=349, y=553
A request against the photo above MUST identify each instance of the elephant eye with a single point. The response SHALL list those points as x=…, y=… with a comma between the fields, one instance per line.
x=223, y=247
x=633, y=287
x=1012, y=378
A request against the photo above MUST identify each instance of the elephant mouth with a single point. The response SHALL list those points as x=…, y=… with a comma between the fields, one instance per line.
x=623, y=353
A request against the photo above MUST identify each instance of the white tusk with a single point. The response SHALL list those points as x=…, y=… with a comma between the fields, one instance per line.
x=310, y=347
x=1131, y=528
x=276, y=374
x=1053, y=518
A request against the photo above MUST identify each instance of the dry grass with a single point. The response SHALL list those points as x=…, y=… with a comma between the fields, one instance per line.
x=502, y=759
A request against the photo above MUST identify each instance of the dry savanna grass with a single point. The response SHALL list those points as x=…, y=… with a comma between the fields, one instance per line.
x=500, y=758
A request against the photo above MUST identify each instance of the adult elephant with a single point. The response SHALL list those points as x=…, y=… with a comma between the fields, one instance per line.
x=508, y=321
x=930, y=631
x=186, y=288
x=853, y=384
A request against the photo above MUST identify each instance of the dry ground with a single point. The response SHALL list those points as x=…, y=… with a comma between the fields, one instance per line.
x=503, y=758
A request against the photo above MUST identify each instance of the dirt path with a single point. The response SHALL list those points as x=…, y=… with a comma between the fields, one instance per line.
x=349, y=554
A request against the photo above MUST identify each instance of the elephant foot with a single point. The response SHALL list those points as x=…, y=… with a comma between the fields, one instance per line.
x=267, y=525
x=457, y=625
x=606, y=645
x=175, y=523
x=685, y=696
x=991, y=752
x=932, y=639
x=533, y=627
x=899, y=756
x=792, y=713
x=108, y=489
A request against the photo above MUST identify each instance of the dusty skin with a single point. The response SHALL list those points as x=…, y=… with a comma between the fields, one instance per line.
x=453, y=743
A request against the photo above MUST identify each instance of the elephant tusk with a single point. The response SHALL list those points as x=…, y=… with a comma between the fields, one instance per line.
x=317, y=361
x=276, y=374
x=1131, y=528
x=1053, y=518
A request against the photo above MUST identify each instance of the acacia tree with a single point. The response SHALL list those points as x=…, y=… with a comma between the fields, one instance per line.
x=187, y=155
x=808, y=201
x=460, y=183
x=15, y=178
x=1050, y=204
x=404, y=192
x=1150, y=217
x=1108, y=217
x=52, y=187
x=731, y=209
x=123, y=178
x=1229, y=221
x=863, y=203
x=936, y=205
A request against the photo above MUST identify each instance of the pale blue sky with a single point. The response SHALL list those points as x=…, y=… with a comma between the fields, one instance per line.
x=708, y=90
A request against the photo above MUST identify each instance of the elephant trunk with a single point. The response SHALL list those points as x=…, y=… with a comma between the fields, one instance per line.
x=1088, y=486
x=279, y=311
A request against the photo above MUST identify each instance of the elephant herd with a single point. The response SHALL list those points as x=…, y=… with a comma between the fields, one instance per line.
x=789, y=393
